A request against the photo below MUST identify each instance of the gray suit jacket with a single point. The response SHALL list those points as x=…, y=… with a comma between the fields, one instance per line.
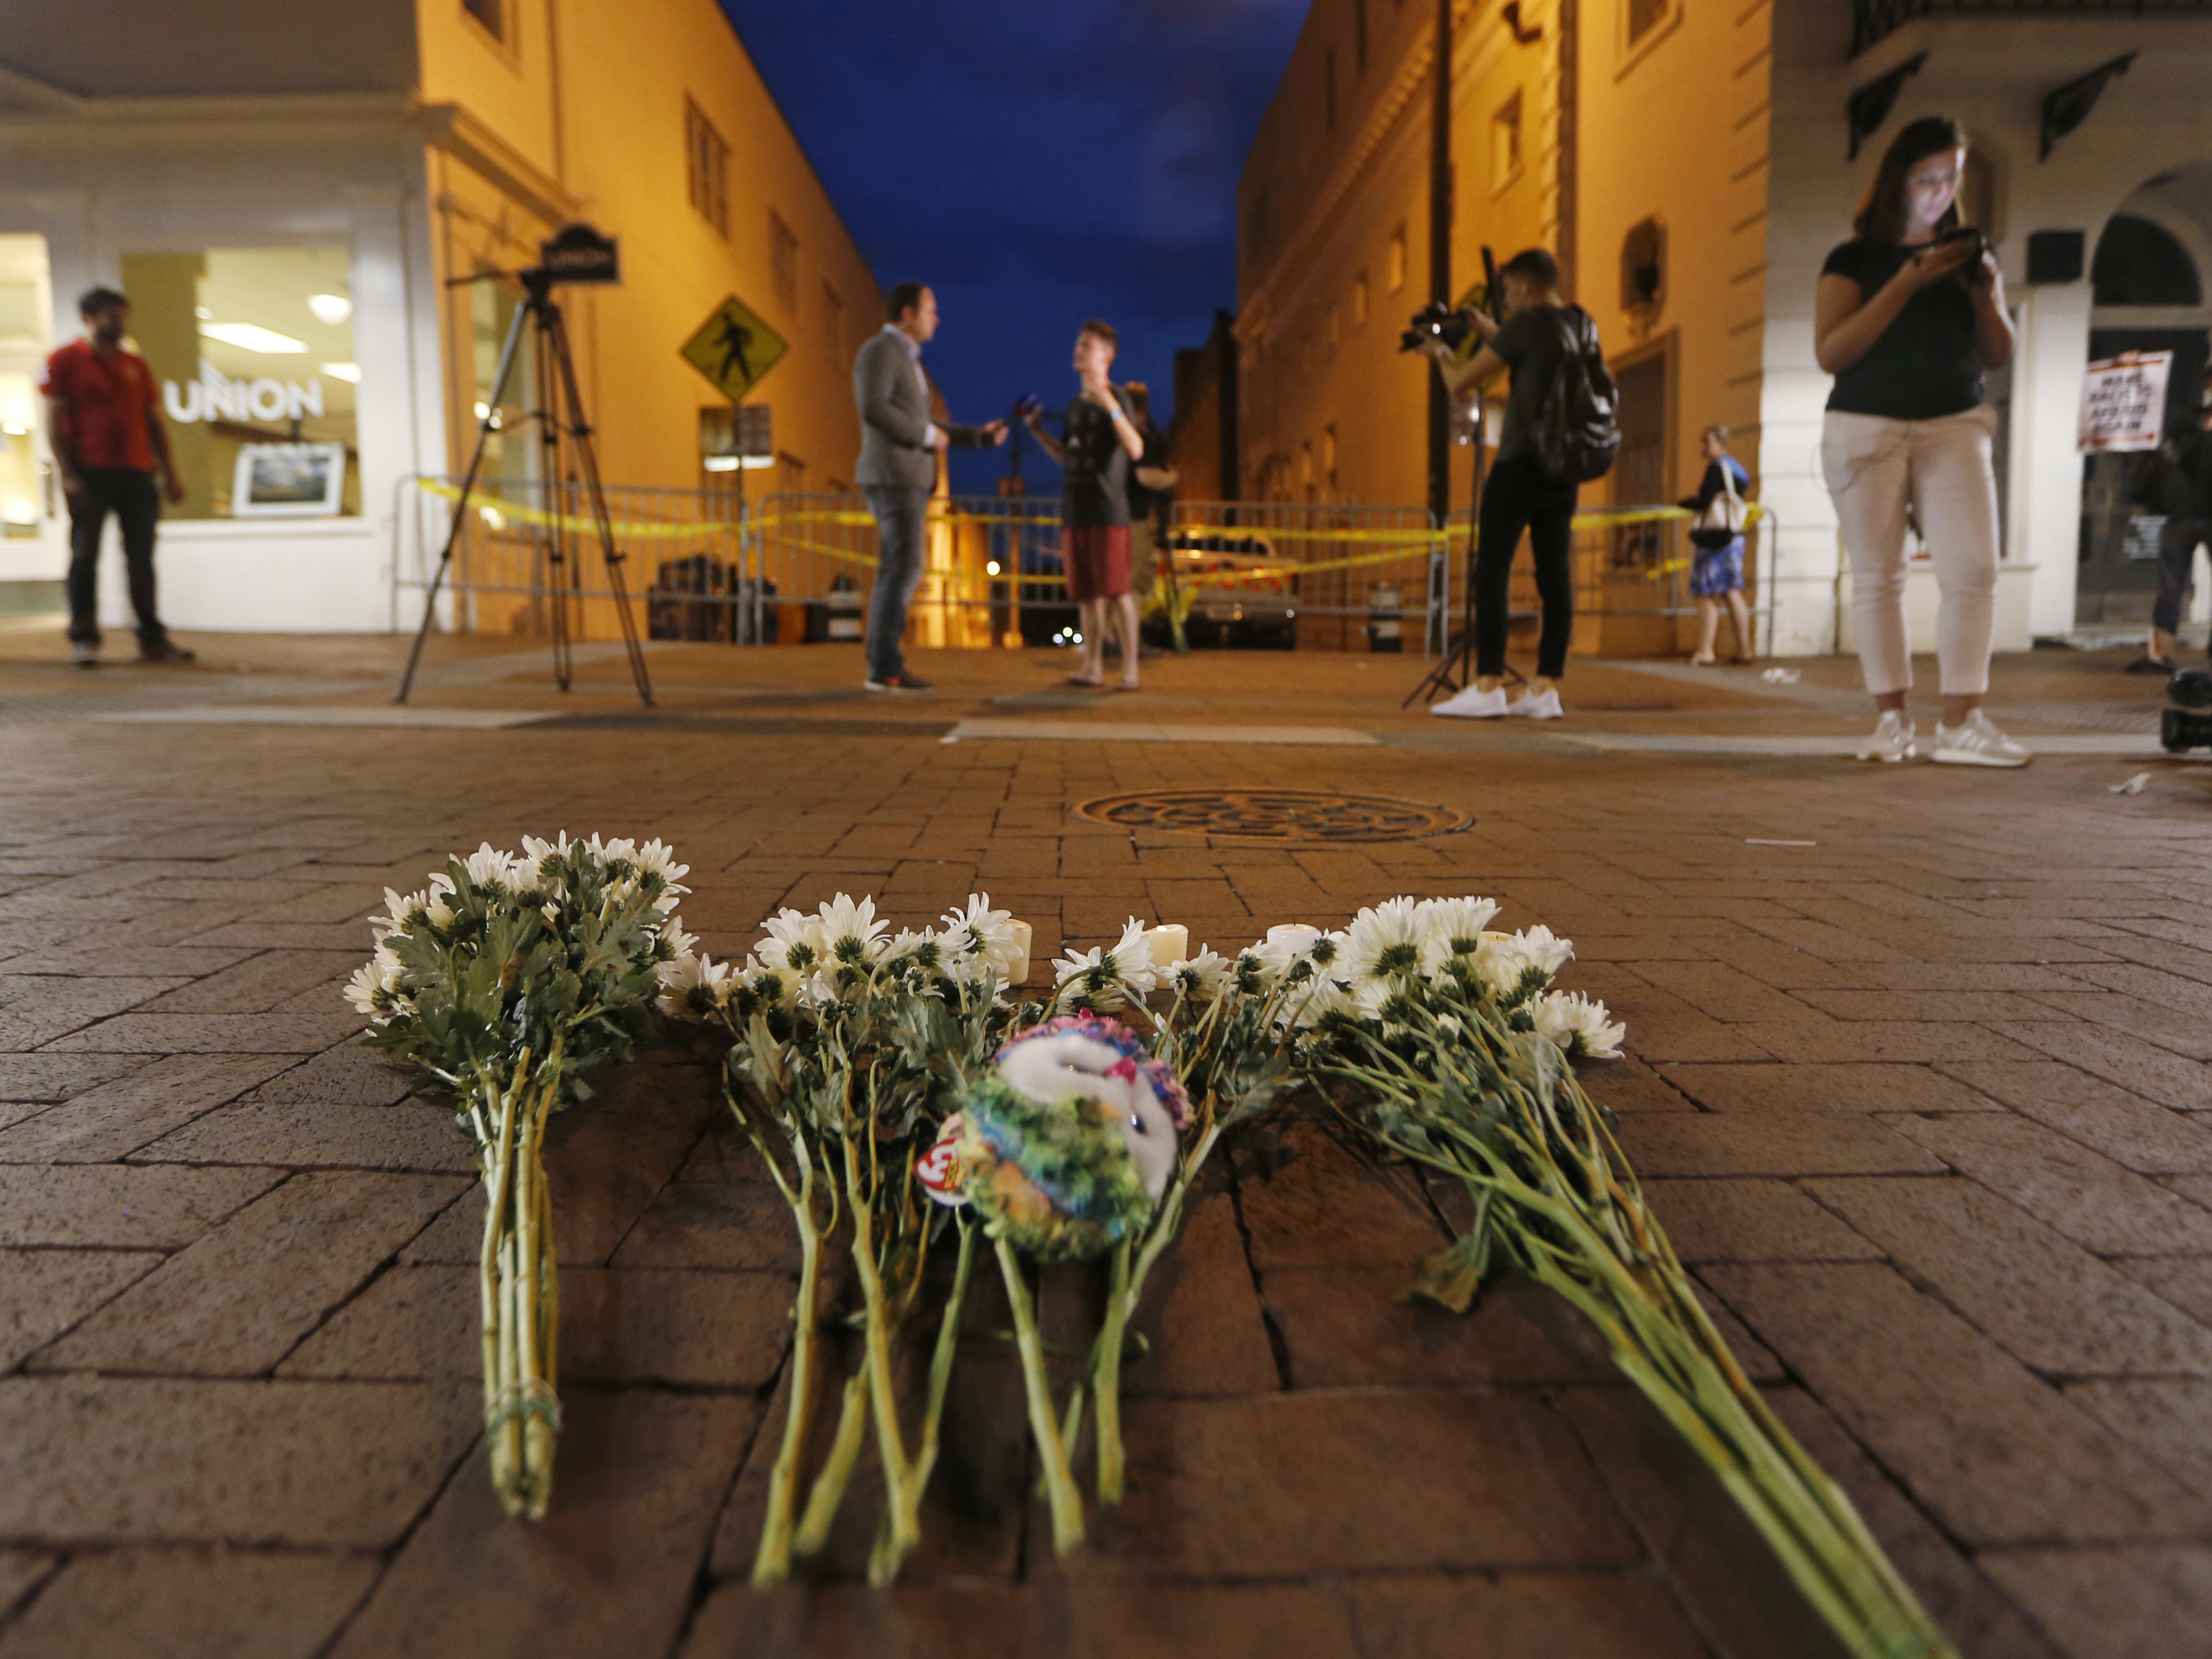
x=894, y=418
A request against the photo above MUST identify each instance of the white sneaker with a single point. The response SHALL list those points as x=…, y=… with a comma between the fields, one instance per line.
x=1473, y=705
x=1892, y=739
x=1976, y=741
x=1537, y=706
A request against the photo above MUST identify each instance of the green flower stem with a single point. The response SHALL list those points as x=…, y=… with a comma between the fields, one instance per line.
x=940, y=1363
x=1118, y=1303
x=899, y=1492
x=1058, y=1479
x=829, y=1490
x=771, y=1559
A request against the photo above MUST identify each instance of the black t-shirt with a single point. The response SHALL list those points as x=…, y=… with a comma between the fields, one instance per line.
x=1926, y=363
x=1095, y=471
x=1532, y=345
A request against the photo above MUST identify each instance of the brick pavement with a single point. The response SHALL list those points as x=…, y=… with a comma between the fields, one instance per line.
x=1923, y=1105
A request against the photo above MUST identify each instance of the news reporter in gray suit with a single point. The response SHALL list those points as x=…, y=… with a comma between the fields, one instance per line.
x=899, y=446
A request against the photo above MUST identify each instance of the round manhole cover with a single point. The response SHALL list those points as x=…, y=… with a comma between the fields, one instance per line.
x=1280, y=815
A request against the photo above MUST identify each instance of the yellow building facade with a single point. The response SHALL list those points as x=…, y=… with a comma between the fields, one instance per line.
x=1691, y=163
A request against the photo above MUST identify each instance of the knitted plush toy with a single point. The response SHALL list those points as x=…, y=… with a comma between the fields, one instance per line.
x=1068, y=1142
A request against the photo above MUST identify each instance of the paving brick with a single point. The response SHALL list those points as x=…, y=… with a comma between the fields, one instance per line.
x=2136, y=1065
x=1859, y=1041
x=2049, y=1302
x=2163, y=1416
x=1998, y=1455
x=53, y=1078
x=2184, y=1280
x=36, y=1010
x=1201, y=1315
x=1777, y=1143
x=2145, y=1602
x=617, y=1326
x=2126, y=1016
x=1829, y=1087
x=1285, y=1484
x=1308, y=1202
x=236, y=1301
x=210, y=1034
x=1663, y=1027
x=309, y=1135
x=116, y=1119
x=112, y=1460
x=1587, y=1615
x=1354, y=1327
x=610, y=1568
x=351, y=1074
x=909, y=1619
x=2089, y=1199
x=1628, y=1084
x=126, y=1208
x=263, y=981
x=21, y=1572
x=192, y=1604
x=45, y=1292
x=1751, y=1221
x=2147, y=1139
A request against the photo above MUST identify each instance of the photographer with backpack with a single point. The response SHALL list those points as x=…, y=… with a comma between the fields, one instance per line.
x=1560, y=433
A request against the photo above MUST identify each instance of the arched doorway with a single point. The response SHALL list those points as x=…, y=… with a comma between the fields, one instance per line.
x=2148, y=281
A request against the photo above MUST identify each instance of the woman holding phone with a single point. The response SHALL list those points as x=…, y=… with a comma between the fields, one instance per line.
x=1909, y=315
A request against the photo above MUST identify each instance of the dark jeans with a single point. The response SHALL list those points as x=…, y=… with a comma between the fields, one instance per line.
x=899, y=515
x=1520, y=495
x=130, y=495
x=2177, y=551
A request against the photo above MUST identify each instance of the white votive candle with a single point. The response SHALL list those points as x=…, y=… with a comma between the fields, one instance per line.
x=1018, y=974
x=1170, y=943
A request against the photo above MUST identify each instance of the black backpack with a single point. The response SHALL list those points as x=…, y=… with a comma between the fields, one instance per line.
x=1577, y=425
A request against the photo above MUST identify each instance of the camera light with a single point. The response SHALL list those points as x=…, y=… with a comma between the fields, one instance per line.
x=993, y=567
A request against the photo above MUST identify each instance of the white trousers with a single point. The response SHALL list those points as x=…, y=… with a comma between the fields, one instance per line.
x=1876, y=468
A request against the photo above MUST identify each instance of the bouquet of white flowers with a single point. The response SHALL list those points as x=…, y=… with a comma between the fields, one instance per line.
x=1440, y=1039
x=848, y=1048
x=510, y=980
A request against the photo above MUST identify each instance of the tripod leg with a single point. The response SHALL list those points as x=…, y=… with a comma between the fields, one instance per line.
x=461, y=506
x=587, y=455
x=560, y=575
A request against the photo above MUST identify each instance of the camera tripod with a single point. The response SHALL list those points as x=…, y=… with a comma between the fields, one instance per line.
x=1455, y=672
x=554, y=390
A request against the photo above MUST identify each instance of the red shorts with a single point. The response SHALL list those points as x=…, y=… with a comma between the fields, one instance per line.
x=1096, y=560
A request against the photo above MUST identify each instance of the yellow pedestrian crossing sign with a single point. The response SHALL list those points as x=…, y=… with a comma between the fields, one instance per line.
x=735, y=349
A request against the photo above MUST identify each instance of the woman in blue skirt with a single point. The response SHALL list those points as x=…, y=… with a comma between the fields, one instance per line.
x=1718, y=541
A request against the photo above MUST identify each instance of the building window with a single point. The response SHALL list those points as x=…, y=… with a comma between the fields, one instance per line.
x=1328, y=458
x=833, y=320
x=1643, y=18
x=491, y=14
x=1328, y=87
x=1395, y=265
x=1505, y=144
x=1644, y=272
x=706, y=169
x=783, y=260
x=2142, y=263
x=1359, y=299
x=252, y=348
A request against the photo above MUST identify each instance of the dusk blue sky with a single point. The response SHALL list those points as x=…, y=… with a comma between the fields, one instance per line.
x=1037, y=162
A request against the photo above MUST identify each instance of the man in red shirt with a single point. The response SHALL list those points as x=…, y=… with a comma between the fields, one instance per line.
x=106, y=427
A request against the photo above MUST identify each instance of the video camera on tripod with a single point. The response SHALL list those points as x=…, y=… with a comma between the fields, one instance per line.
x=567, y=461
x=1437, y=322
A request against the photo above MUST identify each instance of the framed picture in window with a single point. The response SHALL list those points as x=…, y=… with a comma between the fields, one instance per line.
x=287, y=481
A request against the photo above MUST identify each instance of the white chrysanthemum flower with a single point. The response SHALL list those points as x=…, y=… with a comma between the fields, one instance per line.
x=1518, y=966
x=658, y=857
x=1578, y=1024
x=690, y=985
x=405, y=914
x=1202, y=977
x=794, y=944
x=983, y=936
x=1383, y=943
x=776, y=987
x=909, y=949
x=1308, y=1005
x=672, y=932
x=620, y=848
x=1133, y=958
x=490, y=867
x=1285, y=943
x=1086, y=978
x=375, y=983
x=1451, y=929
x=850, y=932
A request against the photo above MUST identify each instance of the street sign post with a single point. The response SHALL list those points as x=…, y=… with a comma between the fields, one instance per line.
x=734, y=348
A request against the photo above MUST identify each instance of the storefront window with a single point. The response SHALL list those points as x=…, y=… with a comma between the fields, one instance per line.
x=510, y=449
x=252, y=348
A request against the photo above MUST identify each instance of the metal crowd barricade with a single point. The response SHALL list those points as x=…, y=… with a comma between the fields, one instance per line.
x=525, y=546
x=1631, y=574
x=1321, y=576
